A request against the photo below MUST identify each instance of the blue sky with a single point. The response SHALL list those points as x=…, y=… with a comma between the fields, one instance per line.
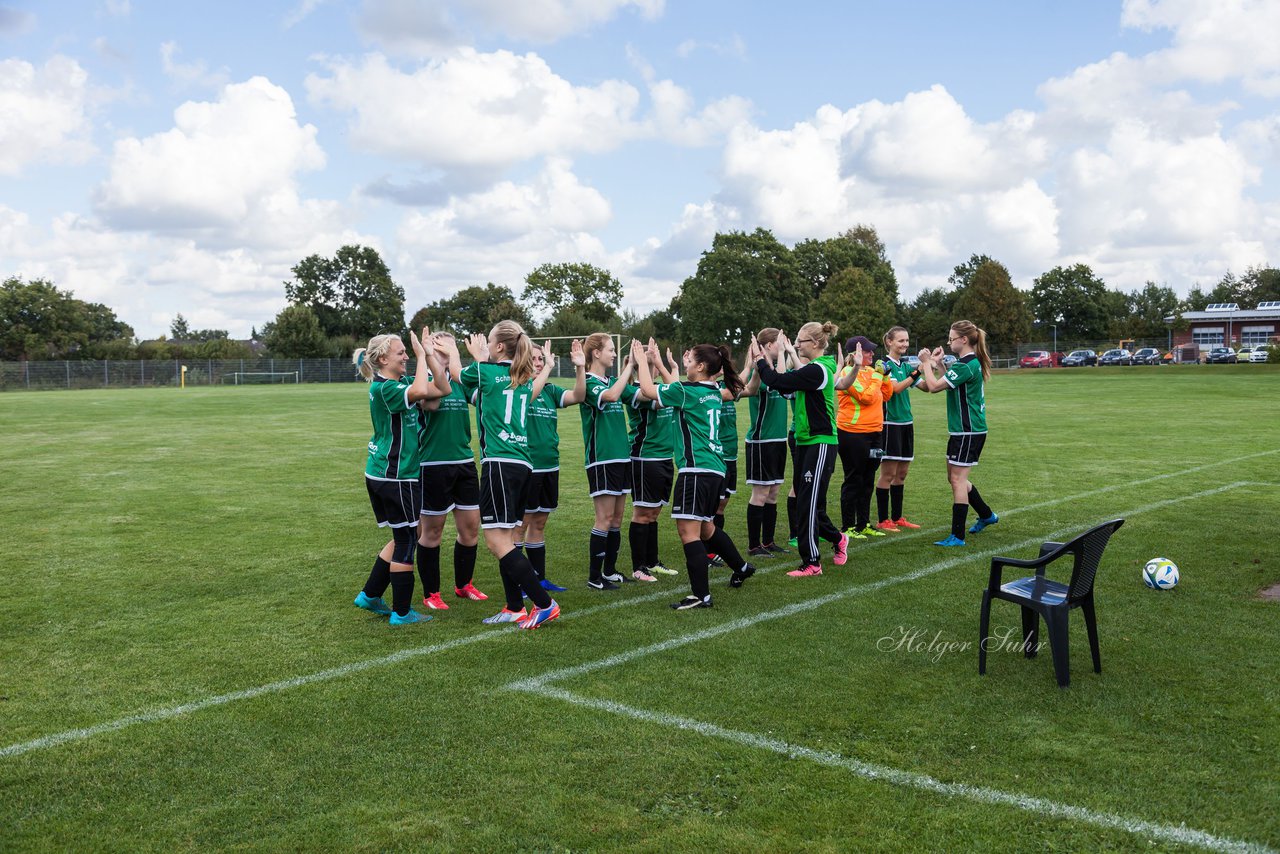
x=180, y=157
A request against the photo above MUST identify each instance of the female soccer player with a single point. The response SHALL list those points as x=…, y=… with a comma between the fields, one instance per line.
x=966, y=420
x=699, y=482
x=861, y=391
x=391, y=470
x=728, y=439
x=766, y=449
x=501, y=390
x=449, y=485
x=652, y=437
x=608, y=457
x=899, y=433
x=815, y=423
x=544, y=453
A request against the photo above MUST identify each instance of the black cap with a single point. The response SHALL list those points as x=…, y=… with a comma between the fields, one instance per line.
x=868, y=346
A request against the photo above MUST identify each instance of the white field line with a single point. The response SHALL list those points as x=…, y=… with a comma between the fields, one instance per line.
x=539, y=685
x=836, y=596
x=1040, y=806
x=167, y=712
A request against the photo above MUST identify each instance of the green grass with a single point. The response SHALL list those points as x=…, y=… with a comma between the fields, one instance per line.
x=162, y=547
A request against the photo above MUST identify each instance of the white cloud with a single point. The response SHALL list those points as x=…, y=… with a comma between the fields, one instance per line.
x=428, y=27
x=734, y=47
x=486, y=110
x=190, y=73
x=45, y=113
x=223, y=162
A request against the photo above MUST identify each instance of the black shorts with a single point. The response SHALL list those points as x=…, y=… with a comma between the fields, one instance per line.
x=651, y=482
x=544, y=492
x=964, y=450
x=451, y=486
x=730, y=486
x=504, y=487
x=609, y=479
x=766, y=463
x=900, y=442
x=697, y=495
x=395, y=502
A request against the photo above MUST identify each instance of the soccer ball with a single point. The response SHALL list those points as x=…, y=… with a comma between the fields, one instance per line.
x=1160, y=573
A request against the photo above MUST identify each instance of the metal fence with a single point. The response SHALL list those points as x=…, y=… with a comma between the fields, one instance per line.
x=139, y=373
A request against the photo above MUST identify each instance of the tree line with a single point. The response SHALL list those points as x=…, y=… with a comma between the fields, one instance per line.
x=743, y=282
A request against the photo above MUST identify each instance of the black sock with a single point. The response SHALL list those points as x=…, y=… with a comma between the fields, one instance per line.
x=536, y=553
x=379, y=578
x=791, y=517
x=979, y=506
x=597, y=549
x=638, y=539
x=401, y=591
x=613, y=542
x=958, y=512
x=719, y=521
x=429, y=568
x=755, y=521
x=882, y=503
x=895, y=500
x=518, y=575
x=769, y=524
x=464, y=563
x=695, y=562
x=720, y=543
x=651, y=539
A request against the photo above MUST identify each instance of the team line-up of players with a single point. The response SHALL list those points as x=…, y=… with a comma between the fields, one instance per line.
x=659, y=439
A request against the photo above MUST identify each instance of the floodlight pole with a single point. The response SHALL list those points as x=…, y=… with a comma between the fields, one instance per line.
x=1055, y=339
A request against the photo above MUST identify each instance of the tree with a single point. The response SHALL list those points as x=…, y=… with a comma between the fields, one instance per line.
x=1262, y=284
x=929, y=316
x=296, y=334
x=1145, y=312
x=819, y=260
x=857, y=304
x=1196, y=300
x=473, y=309
x=38, y=321
x=991, y=301
x=179, y=329
x=593, y=293
x=220, y=348
x=1075, y=299
x=744, y=283
x=568, y=321
x=351, y=294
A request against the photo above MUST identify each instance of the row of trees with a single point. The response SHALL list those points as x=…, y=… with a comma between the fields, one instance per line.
x=744, y=282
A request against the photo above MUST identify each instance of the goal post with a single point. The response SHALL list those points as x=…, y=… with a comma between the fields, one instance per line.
x=262, y=377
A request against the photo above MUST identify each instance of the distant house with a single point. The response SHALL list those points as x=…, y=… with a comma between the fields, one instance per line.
x=1225, y=324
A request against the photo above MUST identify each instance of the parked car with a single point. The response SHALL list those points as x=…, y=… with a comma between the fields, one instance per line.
x=1080, y=358
x=1147, y=356
x=1245, y=353
x=1221, y=355
x=1259, y=354
x=1116, y=357
x=1040, y=359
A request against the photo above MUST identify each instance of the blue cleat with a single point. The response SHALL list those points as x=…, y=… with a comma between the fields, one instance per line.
x=411, y=617
x=951, y=540
x=539, y=616
x=977, y=526
x=370, y=603
x=551, y=586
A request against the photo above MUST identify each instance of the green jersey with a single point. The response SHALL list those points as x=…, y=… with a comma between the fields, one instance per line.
x=897, y=409
x=728, y=427
x=815, y=406
x=697, y=423
x=394, y=449
x=501, y=411
x=966, y=402
x=652, y=428
x=604, y=425
x=544, y=428
x=768, y=410
x=446, y=431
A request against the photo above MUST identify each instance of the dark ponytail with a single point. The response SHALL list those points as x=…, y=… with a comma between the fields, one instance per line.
x=717, y=359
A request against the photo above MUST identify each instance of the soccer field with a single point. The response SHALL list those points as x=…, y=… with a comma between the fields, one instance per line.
x=181, y=666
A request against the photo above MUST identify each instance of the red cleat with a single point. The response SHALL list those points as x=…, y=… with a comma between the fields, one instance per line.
x=470, y=592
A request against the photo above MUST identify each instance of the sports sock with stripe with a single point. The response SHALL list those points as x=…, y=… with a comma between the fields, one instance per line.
x=596, y=551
